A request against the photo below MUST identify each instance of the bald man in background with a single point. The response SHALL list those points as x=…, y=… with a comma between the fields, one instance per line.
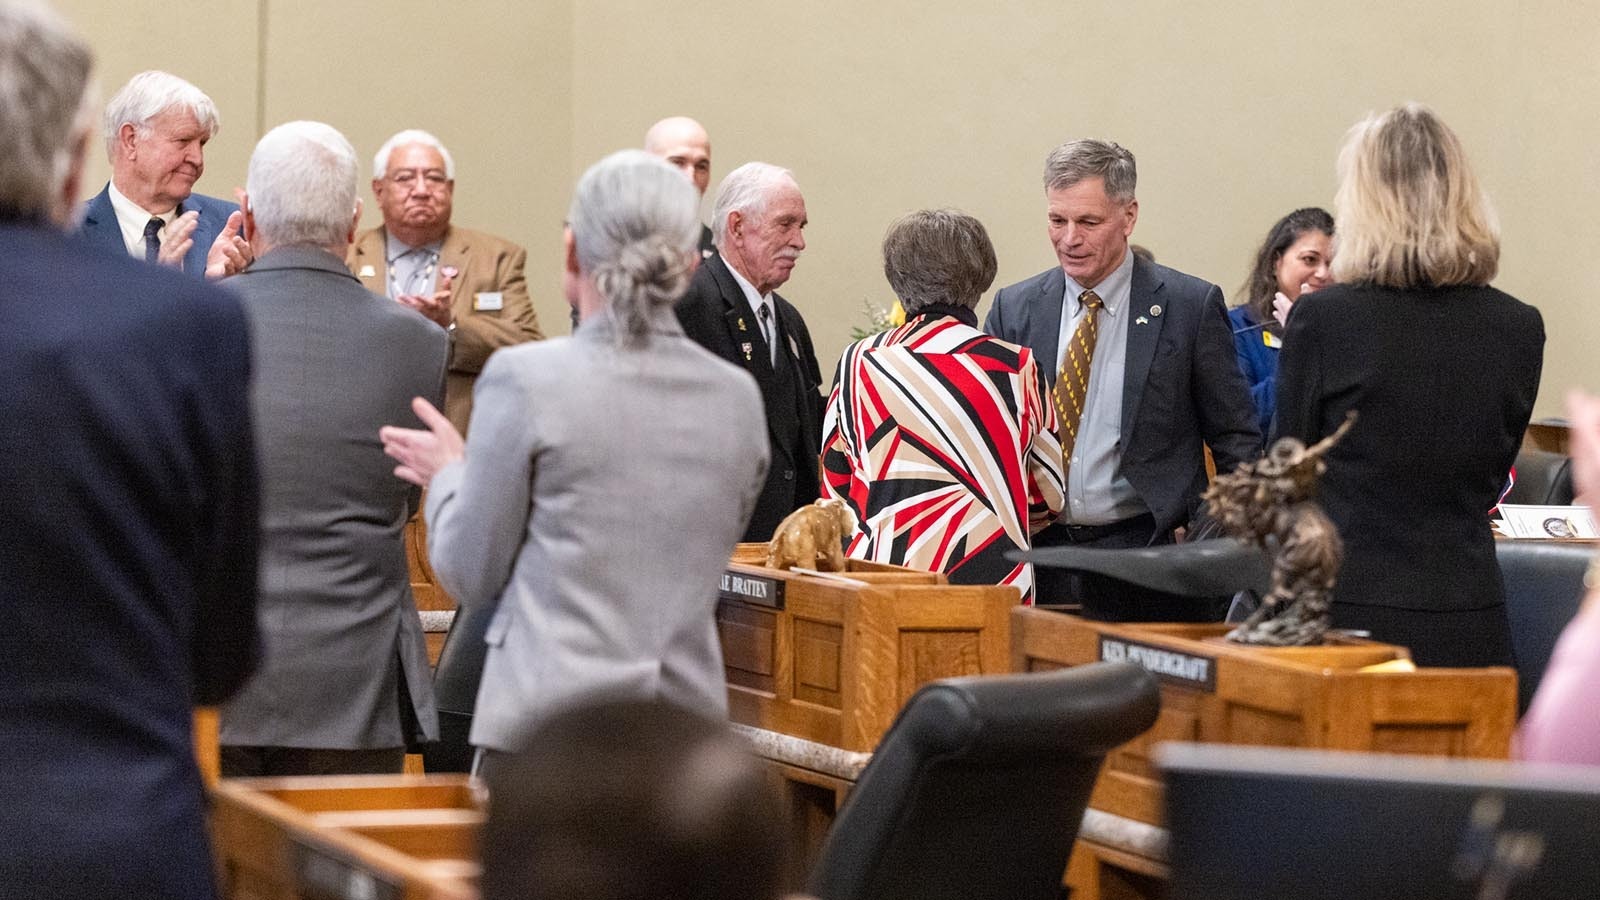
x=683, y=142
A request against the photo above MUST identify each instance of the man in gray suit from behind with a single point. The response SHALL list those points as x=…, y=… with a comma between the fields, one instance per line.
x=344, y=685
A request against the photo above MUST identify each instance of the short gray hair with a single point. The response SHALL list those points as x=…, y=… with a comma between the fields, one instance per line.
x=938, y=256
x=380, y=161
x=745, y=190
x=44, y=108
x=1078, y=160
x=302, y=185
x=149, y=94
x=635, y=222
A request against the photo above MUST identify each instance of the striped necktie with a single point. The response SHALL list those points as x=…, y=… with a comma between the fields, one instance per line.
x=1072, y=382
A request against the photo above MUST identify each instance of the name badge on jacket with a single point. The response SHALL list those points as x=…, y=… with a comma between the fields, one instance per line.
x=488, y=300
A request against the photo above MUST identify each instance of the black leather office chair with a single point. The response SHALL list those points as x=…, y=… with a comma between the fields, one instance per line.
x=977, y=790
x=1543, y=478
x=1544, y=588
x=455, y=690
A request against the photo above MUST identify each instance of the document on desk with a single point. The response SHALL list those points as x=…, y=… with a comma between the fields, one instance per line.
x=1548, y=522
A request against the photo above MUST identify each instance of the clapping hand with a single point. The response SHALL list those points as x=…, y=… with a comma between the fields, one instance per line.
x=423, y=452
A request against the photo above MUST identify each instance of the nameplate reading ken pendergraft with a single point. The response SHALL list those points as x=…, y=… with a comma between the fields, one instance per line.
x=1171, y=666
x=757, y=589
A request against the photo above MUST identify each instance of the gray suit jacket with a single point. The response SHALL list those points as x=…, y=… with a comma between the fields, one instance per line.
x=1182, y=389
x=333, y=363
x=601, y=495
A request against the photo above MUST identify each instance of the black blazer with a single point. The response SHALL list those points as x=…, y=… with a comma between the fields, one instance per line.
x=1444, y=381
x=715, y=314
x=128, y=547
x=1182, y=390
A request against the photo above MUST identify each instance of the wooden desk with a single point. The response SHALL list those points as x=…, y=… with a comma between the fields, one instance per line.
x=821, y=673
x=1218, y=692
x=370, y=837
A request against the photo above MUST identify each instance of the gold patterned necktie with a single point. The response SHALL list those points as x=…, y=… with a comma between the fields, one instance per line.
x=1072, y=382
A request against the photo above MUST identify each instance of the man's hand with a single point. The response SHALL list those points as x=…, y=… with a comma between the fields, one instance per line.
x=437, y=307
x=180, y=237
x=422, y=454
x=230, y=253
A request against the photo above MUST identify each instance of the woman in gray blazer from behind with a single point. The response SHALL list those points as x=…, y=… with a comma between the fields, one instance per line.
x=606, y=478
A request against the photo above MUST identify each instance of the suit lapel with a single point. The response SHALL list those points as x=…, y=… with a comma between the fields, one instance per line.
x=744, y=331
x=368, y=262
x=1142, y=339
x=100, y=225
x=455, y=253
x=1044, y=326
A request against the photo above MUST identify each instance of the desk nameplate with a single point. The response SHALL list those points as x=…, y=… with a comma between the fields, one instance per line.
x=757, y=589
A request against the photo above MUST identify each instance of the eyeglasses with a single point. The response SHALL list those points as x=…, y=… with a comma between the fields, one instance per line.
x=434, y=178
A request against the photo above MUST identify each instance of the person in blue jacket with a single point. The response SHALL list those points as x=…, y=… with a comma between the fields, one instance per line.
x=1292, y=261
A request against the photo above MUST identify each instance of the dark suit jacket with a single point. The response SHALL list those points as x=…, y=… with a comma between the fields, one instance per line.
x=100, y=226
x=716, y=315
x=334, y=363
x=128, y=547
x=1182, y=390
x=1443, y=381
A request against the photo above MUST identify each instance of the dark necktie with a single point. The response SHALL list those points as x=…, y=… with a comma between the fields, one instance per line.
x=152, y=241
x=765, y=315
x=1072, y=383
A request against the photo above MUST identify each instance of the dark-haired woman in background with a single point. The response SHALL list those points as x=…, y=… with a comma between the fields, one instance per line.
x=1292, y=261
x=1442, y=370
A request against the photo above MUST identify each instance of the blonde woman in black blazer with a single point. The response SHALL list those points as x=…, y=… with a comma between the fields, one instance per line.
x=1442, y=370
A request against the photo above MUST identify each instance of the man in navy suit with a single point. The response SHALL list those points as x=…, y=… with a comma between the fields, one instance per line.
x=156, y=129
x=1162, y=384
x=128, y=540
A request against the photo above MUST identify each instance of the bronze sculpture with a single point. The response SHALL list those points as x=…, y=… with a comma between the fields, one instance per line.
x=1271, y=503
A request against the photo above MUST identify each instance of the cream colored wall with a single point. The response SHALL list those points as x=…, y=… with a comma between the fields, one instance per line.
x=1234, y=111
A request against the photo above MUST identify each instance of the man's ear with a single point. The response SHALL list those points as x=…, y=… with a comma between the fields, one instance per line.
x=355, y=223
x=249, y=218
x=127, y=140
x=377, y=186
x=735, y=224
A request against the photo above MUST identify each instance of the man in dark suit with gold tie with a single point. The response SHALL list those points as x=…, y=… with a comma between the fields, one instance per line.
x=1141, y=362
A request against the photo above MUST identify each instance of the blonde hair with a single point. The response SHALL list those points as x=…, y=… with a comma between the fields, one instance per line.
x=1409, y=209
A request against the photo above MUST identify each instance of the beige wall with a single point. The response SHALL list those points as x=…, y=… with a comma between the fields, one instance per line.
x=1234, y=111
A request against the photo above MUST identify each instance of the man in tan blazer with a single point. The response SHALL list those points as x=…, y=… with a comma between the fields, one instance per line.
x=469, y=283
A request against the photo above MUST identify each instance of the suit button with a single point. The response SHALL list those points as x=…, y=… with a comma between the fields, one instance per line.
x=788, y=474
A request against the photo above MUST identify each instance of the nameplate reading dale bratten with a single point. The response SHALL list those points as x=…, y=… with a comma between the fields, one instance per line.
x=1171, y=666
x=757, y=589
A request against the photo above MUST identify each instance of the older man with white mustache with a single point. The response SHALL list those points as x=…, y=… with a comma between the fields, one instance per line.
x=731, y=309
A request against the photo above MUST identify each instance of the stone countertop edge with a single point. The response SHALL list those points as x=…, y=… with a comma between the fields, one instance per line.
x=794, y=751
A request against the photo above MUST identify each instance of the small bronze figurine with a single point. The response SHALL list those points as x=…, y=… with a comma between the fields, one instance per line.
x=1270, y=502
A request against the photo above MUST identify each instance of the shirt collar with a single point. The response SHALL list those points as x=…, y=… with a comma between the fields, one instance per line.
x=1113, y=290
x=757, y=300
x=127, y=209
x=394, y=248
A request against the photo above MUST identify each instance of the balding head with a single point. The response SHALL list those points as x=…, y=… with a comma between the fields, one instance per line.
x=683, y=142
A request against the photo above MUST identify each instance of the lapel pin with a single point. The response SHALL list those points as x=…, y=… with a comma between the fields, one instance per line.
x=1155, y=310
x=746, y=347
x=368, y=272
x=742, y=328
x=449, y=271
x=1141, y=321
